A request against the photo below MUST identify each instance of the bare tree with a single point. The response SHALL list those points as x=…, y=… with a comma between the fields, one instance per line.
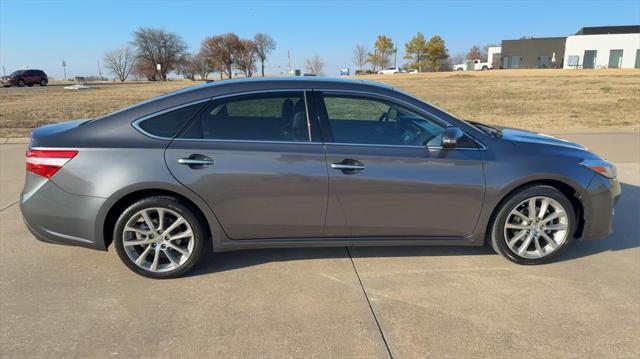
x=120, y=62
x=360, y=54
x=188, y=67
x=157, y=46
x=315, y=65
x=246, y=55
x=222, y=50
x=195, y=65
x=264, y=45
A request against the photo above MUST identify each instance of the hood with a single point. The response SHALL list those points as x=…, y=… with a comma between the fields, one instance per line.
x=55, y=128
x=521, y=136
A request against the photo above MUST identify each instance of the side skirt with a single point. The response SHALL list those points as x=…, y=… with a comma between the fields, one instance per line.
x=232, y=245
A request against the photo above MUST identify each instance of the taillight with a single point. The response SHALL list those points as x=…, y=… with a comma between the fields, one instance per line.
x=47, y=162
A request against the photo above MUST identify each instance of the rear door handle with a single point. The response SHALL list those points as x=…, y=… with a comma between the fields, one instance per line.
x=196, y=161
x=342, y=166
x=348, y=166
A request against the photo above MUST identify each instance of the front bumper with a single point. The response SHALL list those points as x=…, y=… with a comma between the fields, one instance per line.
x=599, y=203
x=55, y=216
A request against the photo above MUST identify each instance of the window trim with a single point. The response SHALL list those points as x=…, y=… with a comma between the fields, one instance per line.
x=136, y=123
x=319, y=93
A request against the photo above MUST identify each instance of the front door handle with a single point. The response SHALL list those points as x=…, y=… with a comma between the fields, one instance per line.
x=196, y=161
x=348, y=166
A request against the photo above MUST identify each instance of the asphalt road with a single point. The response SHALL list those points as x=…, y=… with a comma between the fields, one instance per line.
x=419, y=302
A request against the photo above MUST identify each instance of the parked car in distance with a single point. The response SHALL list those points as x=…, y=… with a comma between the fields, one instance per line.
x=474, y=65
x=391, y=71
x=306, y=162
x=23, y=78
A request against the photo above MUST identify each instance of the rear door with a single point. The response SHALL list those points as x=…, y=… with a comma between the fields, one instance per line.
x=388, y=176
x=257, y=161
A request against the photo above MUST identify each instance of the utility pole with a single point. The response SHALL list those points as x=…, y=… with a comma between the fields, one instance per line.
x=64, y=68
x=289, y=57
x=99, y=70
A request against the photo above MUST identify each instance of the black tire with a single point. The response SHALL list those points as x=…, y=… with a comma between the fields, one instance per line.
x=21, y=83
x=459, y=69
x=496, y=233
x=172, y=204
x=485, y=68
x=43, y=83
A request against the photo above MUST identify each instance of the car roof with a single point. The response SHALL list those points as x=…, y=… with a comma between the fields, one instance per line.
x=296, y=81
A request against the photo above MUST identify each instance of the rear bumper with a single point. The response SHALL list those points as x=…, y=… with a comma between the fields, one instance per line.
x=602, y=196
x=55, y=216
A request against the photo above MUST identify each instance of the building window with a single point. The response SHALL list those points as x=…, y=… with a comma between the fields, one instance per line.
x=515, y=62
x=615, y=59
x=543, y=62
x=589, y=61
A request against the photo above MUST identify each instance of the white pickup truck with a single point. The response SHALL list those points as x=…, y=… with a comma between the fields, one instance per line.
x=472, y=64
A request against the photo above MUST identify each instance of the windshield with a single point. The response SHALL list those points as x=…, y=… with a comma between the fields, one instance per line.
x=17, y=73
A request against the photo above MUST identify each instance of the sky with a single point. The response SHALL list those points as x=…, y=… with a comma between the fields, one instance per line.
x=40, y=34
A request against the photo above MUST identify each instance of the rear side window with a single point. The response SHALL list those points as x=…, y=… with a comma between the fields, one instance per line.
x=167, y=124
x=273, y=116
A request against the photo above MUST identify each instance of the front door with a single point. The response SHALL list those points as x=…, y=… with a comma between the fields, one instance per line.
x=388, y=176
x=589, y=61
x=255, y=160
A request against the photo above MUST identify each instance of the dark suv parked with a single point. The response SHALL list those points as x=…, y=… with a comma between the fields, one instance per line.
x=23, y=78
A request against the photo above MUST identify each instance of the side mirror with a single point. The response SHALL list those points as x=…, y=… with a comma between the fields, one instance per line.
x=451, y=136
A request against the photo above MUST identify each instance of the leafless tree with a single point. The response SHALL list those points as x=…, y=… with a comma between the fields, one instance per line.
x=120, y=62
x=195, y=65
x=222, y=50
x=157, y=46
x=315, y=65
x=246, y=57
x=264, y=45
x=360, y=54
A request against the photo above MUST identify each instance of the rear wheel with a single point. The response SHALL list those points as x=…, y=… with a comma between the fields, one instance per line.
x=533, y=225
x=158, y=237
x=43, y=83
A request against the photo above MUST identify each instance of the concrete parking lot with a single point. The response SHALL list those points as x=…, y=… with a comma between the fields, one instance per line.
x=418, y=302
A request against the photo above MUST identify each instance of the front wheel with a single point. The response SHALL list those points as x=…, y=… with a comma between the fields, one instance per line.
x=533, y=225
x=21, y=83
x=159, y=237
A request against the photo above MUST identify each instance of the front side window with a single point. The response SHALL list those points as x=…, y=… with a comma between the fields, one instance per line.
x=278, y=116
x=167, y=124
x=368, y=120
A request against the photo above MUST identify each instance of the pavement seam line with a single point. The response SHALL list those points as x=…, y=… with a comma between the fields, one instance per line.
x=9, y=206
x=366, y=296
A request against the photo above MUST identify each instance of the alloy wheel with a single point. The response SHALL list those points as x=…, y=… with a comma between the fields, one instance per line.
x=536, y=227
x=158, y=239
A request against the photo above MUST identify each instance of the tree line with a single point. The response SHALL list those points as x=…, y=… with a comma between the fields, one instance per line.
x=154, y=53
x=423, y=55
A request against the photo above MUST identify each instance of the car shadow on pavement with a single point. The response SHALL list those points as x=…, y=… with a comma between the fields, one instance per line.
x=626, y=235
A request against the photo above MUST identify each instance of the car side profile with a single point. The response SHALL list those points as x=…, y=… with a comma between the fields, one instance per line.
x=306, y=162
x=391, y=71
x=22, y=78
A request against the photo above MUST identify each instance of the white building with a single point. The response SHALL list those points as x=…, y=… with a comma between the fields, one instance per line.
x=603, y=47
x=493, y=55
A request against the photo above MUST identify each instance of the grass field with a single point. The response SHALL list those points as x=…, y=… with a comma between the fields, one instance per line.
x=529, y=99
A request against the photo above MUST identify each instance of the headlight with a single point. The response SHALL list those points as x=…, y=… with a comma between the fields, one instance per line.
x=602, y=167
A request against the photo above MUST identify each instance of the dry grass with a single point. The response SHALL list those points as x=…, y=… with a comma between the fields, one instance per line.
x=531, y=99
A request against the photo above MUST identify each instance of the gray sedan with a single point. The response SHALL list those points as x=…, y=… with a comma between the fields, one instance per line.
x=305, y=163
